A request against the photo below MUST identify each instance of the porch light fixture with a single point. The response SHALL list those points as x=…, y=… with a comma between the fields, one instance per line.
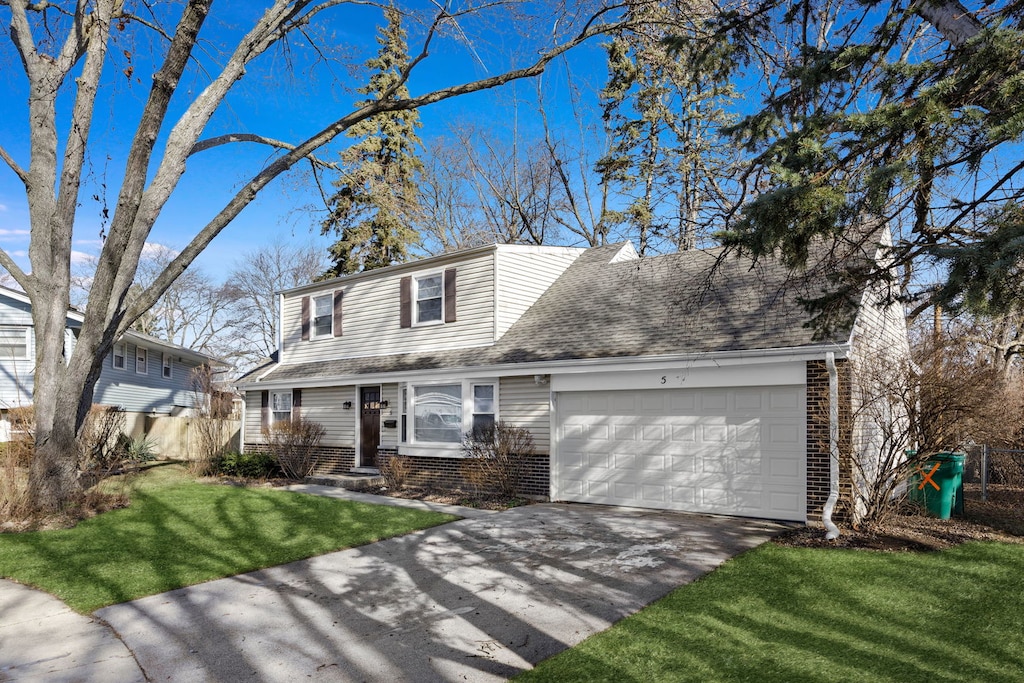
x=383, y=404
x=347, y=405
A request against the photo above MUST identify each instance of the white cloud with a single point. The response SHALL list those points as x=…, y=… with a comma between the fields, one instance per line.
x=3, y=207
x=89, y=243
x=14, y=233
x=80, y=256
x=154, y=250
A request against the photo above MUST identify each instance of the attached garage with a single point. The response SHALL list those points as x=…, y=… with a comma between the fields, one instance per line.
x=733, y=451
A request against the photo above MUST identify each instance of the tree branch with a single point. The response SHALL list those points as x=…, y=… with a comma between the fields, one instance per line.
x=210, y=143
x=244, y=196
x=9, y=160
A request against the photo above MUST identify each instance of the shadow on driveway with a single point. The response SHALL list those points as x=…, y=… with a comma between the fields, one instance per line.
x=479, y=599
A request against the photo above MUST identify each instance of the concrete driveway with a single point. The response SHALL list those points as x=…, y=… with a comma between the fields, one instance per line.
x=479, y=600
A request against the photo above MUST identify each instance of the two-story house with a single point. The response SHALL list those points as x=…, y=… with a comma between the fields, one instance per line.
x=680, y=382
x=146, y=377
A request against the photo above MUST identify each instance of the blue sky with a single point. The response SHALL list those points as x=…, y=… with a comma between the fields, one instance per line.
x=277, y=99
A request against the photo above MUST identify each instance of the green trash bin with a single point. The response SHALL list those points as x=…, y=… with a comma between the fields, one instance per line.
x=939, y=484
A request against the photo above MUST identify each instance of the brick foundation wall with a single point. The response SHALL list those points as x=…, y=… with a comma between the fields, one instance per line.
x=329, y=459
x=818, y=449
x=446, y=473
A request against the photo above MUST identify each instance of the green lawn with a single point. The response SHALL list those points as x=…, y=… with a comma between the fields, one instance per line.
x=177, y=533
x=786, y=614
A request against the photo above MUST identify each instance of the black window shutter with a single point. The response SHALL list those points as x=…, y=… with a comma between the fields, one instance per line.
x=264, y=410
x=296, y=405
x=405, y=302
x=305, y=318
x=449, y=295
x=338, y=295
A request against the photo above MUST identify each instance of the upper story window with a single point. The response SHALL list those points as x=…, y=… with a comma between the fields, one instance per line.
x=13, y=343
x=141, y=360
x=429, y=298
x=166, y=366
x=118, y=355
x=323, y=316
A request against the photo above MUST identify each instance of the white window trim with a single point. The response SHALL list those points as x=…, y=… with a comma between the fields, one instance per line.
x=166, y=366
x=144, y=357
x=312, y=316
x=412, y=446
x=123, y=356
x=24, y=330
x=416, y=322
x=291, y=407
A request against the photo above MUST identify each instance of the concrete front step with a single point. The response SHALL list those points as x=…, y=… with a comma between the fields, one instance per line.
x=352, y=482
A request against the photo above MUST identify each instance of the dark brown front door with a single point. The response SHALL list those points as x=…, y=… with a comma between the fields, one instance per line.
x=369, y=426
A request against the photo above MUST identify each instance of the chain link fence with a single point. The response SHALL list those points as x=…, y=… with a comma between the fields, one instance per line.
x=993, y=467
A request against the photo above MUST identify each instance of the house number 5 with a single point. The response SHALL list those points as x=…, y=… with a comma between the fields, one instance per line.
x=663, y=379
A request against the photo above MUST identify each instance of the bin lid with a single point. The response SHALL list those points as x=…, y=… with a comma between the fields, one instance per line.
x=948, y=456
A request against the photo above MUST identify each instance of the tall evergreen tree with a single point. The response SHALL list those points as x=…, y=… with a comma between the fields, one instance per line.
x=376, y=202
x=662, y=115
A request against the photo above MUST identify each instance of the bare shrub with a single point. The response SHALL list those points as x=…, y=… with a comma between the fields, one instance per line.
x=213, y=424
x=294, y=445
x=104, y=447
x=396, y=470
x=495, y=458
x=13, y=484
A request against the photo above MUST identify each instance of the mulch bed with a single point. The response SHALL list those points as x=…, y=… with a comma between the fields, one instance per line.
x=1000, y=518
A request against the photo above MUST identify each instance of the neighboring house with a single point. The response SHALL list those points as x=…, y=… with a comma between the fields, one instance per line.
x=146, y=377
x=673, y=382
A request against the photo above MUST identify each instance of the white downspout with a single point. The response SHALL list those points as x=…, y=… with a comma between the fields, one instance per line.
x=833, y=441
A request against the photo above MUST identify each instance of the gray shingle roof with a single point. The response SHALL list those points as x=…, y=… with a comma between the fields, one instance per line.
x=689, y=302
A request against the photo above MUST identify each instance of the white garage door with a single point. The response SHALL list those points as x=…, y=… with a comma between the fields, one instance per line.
x=722, y=451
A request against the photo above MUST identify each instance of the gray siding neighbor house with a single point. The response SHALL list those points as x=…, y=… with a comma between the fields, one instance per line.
x=684, y=382
x=145, y=376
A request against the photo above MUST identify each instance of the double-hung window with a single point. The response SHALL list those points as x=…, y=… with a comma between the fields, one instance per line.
x=483, y=410
x=141, y=360
x=119, y=354
x=281, y=406
x=323, y=315
x=429, y=298
x=166, y=366
x=13, y=342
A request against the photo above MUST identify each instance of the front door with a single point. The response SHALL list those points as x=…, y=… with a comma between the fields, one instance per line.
x=369, y=426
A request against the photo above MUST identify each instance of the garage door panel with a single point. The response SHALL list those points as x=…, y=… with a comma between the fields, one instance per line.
x=738, y=451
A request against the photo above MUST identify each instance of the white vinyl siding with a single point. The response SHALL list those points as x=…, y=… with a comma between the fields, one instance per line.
x=523, y=277
x=372, y=321
x=324, y=406
x=524, y=403
x=253, y=427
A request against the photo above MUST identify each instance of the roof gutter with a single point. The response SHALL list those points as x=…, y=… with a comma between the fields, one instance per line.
x=832, y=531
x=562, y=367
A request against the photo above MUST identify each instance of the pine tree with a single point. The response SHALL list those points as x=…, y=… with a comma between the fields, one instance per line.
x=662, y=115
x=376, y=202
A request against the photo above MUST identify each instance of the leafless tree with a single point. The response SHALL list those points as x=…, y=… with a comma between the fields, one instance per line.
x=252, y=287
x=68, y=51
